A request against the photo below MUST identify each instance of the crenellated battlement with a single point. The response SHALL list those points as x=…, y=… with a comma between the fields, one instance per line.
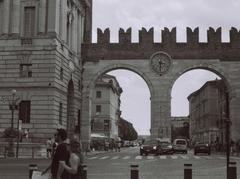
x=192, y=48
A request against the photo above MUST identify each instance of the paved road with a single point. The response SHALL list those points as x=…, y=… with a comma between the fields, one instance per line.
x=116, y=165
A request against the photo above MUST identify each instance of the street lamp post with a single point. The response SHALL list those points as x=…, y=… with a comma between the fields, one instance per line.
x=13, y=106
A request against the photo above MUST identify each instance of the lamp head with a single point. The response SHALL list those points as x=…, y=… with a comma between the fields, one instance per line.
x=14, y=92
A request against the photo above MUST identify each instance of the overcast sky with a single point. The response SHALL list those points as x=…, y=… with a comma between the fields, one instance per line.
x=136, y=14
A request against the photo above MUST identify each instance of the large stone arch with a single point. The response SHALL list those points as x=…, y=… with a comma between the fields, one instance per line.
x=219, y=57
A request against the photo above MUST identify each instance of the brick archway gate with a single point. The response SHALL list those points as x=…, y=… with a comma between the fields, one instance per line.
x=160, y=64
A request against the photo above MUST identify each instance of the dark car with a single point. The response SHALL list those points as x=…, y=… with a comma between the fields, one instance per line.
x=166, y=148
x=150, y=147
x=202, y=148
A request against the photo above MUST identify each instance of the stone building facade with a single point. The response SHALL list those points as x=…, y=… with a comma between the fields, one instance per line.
x=207, y=109
x=40, y=57
x=106, y=107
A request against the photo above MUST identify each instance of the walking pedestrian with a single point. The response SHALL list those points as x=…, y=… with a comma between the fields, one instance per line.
x=74, y=167
x=61, y=154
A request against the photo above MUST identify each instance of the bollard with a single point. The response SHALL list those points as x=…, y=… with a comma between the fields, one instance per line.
x=134, y=171
x=84, y=172
x=32, y=167
x=187, y=171
x=232, y=170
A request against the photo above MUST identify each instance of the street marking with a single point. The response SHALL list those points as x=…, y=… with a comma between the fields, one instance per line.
x=223, y=158
x=174, y=157
x=163, y=157
x=196, y=157
x=102, y=158
x=114, y=158
x=207, y=157
x=150, y=157
x=127, y=157
x=138, y=157
x=184, y=157
x=92, y=158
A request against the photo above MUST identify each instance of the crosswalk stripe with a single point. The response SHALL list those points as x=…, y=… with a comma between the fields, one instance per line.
x=163, y=157
x=102, y=158
x=184, y=157
x=138, y=157
x=127, y=157
x=116, y=157
x=150, y=157
x=92, y=158
x=174, y=157
x=207, y=157
x=196, y=157
x=221, y=158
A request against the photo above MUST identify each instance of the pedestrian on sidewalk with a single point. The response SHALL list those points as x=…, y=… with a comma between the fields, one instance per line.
x=61, y=154
x=119, y=146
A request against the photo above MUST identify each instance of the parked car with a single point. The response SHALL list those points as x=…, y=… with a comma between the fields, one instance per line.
x=150, y=147
x=166, y=148
x=202, y=148
x=180, y=145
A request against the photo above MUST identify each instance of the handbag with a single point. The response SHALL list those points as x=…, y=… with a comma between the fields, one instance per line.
x=38, y=175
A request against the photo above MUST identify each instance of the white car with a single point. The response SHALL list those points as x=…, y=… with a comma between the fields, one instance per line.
x=180, y=145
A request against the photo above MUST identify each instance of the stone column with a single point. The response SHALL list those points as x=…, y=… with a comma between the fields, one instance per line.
x=79, y=33
x=53, y=17
x=42, y=16
x=74, y=31
x=6, y=16
x=16, y=17
x=85, y=121
x=235, y=117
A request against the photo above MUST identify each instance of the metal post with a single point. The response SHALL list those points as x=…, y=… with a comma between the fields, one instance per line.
x=134, y=171
x=232, y=170
x=187, y=171
x=17, y=139
x=32, y=167
x=84, y=172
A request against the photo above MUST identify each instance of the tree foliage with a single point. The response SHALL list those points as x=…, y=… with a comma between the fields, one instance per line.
x=127, y=131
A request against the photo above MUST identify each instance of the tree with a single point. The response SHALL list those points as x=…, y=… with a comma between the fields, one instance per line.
x=126, y=130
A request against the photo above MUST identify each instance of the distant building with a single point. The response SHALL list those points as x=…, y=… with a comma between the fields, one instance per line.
x=180, y=127
x=106, y=107
x=207, y=106
x=179, y=121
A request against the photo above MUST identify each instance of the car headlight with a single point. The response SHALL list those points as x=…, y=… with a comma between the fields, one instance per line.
x=141, y=147
x=170, y=147
x=154, y=147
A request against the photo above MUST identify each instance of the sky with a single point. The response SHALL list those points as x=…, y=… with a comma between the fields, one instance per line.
x=115, y=14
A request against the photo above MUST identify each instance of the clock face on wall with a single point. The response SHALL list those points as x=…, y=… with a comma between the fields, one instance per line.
x=160, y=62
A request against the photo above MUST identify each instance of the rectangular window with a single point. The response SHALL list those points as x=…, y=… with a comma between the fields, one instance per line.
x=106, y=124
x=25, y=70
x=98, y=94
x=61, y=74
x=60, y=113
x=24, y=111
x=98, y=109
x=29, y=21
